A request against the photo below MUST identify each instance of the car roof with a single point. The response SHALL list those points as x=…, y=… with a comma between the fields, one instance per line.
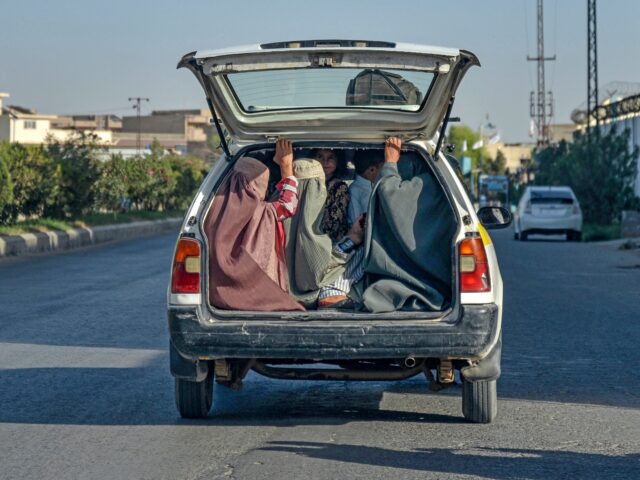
x=403, y=47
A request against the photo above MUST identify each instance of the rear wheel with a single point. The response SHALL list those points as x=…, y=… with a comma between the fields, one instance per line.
x=516, y=236
x=480, y=401
x=194, y=399
x=574, y=236
x=524, y=236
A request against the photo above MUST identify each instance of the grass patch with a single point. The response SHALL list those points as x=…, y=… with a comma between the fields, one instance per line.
x=592, y=232
x=35, y=226
x=96, y=219
x=93, y=220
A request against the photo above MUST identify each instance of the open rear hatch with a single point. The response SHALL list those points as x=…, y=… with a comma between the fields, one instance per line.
x=351, y=90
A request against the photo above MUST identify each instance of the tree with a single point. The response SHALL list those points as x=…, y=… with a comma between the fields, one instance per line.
x=458, y=135
x=601, y=170
x=497, y=166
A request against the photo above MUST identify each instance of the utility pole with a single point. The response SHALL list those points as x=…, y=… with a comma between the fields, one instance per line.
x=540, y=108
x=592, y=66
x=137, y=106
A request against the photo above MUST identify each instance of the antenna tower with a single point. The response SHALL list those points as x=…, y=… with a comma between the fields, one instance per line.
x=541, y=106
x=592, y=65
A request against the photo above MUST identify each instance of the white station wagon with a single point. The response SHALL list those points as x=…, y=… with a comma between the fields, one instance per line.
x=349, y=96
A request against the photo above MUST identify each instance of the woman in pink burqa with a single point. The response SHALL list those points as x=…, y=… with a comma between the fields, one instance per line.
x=247, y=269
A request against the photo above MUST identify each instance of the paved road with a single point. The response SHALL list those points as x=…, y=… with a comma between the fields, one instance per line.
x=85, y=390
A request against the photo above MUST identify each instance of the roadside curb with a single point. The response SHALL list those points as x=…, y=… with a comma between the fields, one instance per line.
x=618, y=242
x=49, y=242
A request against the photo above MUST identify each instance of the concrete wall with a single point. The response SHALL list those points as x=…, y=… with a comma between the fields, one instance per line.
x=104, y=136
x=168, y=124
x=167, y=140
x=5, y=128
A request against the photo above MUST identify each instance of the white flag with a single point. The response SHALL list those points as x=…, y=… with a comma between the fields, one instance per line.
x=477, y=145
x=494, y=139
x=464, y=145
x=532, y=128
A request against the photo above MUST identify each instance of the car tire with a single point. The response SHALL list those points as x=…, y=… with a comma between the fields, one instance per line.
x=194, y=399
x=524, y=236
x=480, y=401
x=574, y=236
x=516, y=236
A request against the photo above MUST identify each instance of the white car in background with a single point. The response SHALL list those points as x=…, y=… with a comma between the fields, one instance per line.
x=548, y=211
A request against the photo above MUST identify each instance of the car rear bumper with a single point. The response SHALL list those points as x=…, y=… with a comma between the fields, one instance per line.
x=550, y=224
x=472, y=336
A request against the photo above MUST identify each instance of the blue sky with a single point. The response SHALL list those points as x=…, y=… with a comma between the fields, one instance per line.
x=89, y=56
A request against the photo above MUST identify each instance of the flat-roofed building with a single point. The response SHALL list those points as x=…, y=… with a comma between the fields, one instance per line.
x=183, y=131
x=518, y=155
x=28, y=127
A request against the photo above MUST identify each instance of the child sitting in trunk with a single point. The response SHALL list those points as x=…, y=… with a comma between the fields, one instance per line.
x=368, y=164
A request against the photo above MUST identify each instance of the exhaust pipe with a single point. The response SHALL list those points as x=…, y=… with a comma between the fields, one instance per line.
x=410, y=362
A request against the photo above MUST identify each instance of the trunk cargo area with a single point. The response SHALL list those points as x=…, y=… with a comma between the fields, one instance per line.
x=405, y=267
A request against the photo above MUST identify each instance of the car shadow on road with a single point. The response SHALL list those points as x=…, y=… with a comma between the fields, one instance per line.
x=497, y=463
x=144, y=396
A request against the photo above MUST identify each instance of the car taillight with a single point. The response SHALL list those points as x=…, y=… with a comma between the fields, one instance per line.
x=527, y=208
x=474, y=269
x=185, y=275
x=576, y=209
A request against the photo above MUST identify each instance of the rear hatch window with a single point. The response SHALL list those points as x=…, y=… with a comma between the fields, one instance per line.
x=551, y=198
x=330, y=88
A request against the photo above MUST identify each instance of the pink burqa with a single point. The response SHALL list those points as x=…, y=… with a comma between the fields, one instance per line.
x=247, y=270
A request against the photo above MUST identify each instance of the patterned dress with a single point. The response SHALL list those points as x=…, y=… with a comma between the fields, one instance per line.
x=334, y=220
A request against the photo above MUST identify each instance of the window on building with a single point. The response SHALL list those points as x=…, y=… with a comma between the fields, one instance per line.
x=30, y=124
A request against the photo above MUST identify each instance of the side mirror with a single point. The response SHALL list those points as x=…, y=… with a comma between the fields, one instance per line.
x=495, y=217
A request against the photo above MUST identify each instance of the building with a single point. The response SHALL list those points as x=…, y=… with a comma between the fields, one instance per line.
x=182, y=131
x=625, y=115
x=88, y=122
x=518, y=155
x=18, y=124
x=561, y=131
x=619, y=107
x=28, y=127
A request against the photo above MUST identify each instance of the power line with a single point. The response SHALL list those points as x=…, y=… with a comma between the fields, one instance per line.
x=137, y=107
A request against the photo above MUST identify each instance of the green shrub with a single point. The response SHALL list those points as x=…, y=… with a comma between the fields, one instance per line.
x=190, y=172
x=36, y=181
x=66, y=180
x=6, y=190
x=76, y=158
x=111, y=190
x=594, y=233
